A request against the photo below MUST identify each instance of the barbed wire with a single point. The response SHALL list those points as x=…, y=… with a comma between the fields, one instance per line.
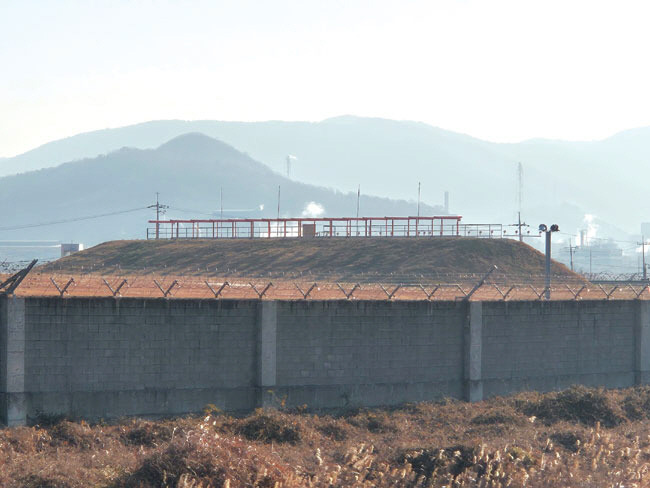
x=169, y=287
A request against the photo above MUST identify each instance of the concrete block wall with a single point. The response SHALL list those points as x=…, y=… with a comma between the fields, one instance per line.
x=343, y=353
x=105, y=358
x=553, y=345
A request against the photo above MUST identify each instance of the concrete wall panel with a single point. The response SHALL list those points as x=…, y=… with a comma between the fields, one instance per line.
x=105, y=357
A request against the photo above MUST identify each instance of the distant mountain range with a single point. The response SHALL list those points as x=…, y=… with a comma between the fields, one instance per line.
x=563, y=181
x=188, y=171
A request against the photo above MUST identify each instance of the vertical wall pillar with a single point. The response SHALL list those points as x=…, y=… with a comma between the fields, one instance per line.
x=267, y=350
x=473, y=353
x=642, y=343
x=12, y=362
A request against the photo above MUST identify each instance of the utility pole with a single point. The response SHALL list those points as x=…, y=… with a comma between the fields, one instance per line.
x=571, y=253
x=520, y=224
x=278, y=202
x=159, y=209
x=645, y=273
x=419, y=198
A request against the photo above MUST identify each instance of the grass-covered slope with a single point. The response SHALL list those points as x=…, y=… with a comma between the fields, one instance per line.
x=387, y=259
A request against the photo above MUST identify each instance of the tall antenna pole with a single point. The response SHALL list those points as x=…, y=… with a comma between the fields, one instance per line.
x=358, y=198
x=419, y=198
x=571, y=253
x=520, y=197
x=520, y=186
x=278, y=201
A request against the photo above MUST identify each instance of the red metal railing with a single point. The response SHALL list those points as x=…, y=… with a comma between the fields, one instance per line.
x=446, y=225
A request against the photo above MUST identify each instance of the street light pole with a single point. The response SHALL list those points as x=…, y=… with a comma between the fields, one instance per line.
x=548, y=265
x=548, y=232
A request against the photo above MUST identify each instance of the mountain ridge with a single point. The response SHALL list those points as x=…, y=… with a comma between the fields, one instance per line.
x=389, y=158
x=188, y=171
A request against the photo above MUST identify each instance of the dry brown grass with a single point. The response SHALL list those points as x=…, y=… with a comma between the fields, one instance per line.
x=577, y=438
x=376, y=259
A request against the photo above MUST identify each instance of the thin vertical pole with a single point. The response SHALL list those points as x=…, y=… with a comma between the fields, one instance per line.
x=645, y=275
x=548, y=264
x=358, y=199
x=418, y=205
x=157, y=216
x=278, y=204
x=221, y=203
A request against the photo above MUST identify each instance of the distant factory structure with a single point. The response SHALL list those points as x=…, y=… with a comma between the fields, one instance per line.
x=70, y=248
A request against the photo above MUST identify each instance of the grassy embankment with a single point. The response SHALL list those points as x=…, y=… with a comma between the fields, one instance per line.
x=384, y=259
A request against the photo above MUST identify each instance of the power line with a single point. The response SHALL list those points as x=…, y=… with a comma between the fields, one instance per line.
x=76, y=219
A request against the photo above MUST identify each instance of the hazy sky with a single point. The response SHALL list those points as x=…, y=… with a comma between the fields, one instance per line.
x=503, y=70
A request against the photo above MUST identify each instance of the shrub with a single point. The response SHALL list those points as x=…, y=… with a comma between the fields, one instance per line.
x=334, y=430
x=165, y=467
x=377, y=421
x=148, y=434
x=526, y=458
x=576, y=404
x=432, y=462
x=636, y=403
x=73, y=434
x=568, y=440
x=270, y=428
x=492, y=418
x=39, y=481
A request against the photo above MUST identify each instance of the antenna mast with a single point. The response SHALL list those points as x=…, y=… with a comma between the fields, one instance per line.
x=520, y=197
x=520, y=185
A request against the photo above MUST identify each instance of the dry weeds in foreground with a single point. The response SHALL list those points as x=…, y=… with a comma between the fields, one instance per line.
x=577, y=438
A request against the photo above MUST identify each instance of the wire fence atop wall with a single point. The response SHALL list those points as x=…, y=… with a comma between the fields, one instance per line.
x=496, y=288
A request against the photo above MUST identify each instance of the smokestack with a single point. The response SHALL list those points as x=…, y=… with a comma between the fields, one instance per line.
x=446, y=202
